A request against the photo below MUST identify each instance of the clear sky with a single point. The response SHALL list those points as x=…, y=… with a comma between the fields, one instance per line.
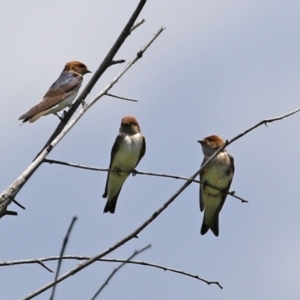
x=219, y=68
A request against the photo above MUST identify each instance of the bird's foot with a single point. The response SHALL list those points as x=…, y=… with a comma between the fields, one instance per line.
x=133, y=172
x=60, y=117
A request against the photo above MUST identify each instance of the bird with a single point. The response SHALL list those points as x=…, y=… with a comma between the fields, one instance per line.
x=218, y=173
x=127, y=151
x=60, y=94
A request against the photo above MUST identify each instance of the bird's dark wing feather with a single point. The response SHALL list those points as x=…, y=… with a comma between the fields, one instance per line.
x=201, y=187
x=114, y=149
x=143, y=151
x=229, y=184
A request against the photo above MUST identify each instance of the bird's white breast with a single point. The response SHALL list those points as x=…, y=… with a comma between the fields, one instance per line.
x=129, y=152
x=64, y=103
x=217, y=173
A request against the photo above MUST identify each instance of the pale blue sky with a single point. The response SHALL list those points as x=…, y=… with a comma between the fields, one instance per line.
x=219, y=68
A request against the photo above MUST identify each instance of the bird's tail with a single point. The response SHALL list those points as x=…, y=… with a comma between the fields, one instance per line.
x=111, y=204
x=212, y=224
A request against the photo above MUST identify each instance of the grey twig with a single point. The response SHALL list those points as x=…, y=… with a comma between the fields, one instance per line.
x=119, y=61
x=137, y=24
x=44, y=266
x=59, y=162
x=122, y=98
x=142, y=263
x=136, y=252
x=62, y=251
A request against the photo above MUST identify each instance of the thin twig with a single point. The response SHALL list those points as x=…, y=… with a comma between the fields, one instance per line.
x=44, y=266
x=59, y=162
x=17, y=203
x=137, y=24
x=136, y=252
x=142, y=263
x=62, y=251
x=122, y=98
x=119, y=61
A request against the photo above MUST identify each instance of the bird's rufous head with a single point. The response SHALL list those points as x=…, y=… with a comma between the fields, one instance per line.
x=77, y=67
x=211, y=144
x=130, y=125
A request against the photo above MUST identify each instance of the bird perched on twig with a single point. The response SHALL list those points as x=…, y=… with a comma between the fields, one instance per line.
x=126, y=153
x=60, y=94
x=218, y=173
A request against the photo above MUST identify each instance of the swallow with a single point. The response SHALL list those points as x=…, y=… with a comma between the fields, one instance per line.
x=60, y=94
x=126, y=153
x=218, y=173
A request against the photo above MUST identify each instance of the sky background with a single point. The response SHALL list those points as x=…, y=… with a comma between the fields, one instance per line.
x=219, y=68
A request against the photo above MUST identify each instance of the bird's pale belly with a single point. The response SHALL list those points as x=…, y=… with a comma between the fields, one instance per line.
x=218, y=177
x=127, y=157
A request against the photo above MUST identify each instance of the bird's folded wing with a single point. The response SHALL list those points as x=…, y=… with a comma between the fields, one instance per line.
x=63, y=87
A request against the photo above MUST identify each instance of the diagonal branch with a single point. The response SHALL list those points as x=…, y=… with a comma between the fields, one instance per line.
x=12, y=190
x=122, y=98
x=137, y=24
x=135, y=253
x=62, y=251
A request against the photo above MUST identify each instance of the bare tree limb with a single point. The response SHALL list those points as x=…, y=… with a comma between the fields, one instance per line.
x=12, y=190
x=137, y=24
x=62, y=251
x=59, y=162
x=136, y=252
x=122, y=98
x=17, y=203
x=142, y=263
x=44, y=266
x=115, y=62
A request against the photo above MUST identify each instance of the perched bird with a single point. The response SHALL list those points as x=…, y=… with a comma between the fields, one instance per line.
x=218, y=173
x=60, y=94
x=126, y=153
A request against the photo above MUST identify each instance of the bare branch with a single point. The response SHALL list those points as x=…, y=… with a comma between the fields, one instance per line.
x=62, y=251
x=12, y=190
x=59, y=162
x=44, y=266
x=136, y=252
x=9, y=213
x=142, y=263
x=17, y=203
x=114, y=62
x=137, y=24
x=122, y=98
